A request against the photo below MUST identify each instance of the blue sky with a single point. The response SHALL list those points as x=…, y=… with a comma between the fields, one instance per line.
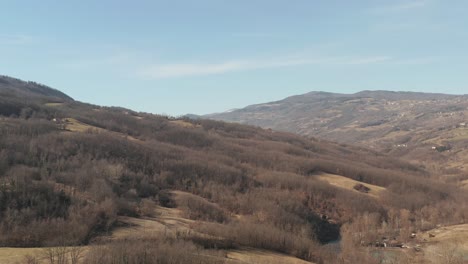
x=176, y=57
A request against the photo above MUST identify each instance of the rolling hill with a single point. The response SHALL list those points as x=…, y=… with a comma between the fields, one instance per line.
x=112, y=185
x=13, y=87
x=430, y=129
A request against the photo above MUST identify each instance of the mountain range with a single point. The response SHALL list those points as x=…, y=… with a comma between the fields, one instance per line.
x=429, y=129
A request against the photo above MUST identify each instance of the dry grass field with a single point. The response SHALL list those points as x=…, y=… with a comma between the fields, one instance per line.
x=256, y=256
x=165, y=221
x=347, y=183
x=446, y=242
x=77, y=126
x=73, y=125
x=40, y=255
x=183, y=123
x=14, y=255
x=53, y=104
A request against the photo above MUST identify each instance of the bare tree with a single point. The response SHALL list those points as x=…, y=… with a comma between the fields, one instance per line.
x=28, y=259
x=56, y=255
x=75, y=253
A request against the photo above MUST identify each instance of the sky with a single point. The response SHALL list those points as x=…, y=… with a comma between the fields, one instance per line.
x=204, y=56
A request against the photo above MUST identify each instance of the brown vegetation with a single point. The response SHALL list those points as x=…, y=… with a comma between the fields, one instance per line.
x=430, y=129
x=243, y=186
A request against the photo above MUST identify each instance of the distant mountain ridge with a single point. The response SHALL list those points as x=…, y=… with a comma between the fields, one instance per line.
x=408, y=124
x=375, y=94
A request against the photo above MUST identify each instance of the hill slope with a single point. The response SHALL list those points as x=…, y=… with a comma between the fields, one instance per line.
x=86, y=169
x=20, y=98
x=418, y=126
x=14, y=87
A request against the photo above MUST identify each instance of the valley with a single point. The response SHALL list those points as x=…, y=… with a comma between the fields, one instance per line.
x=127, y=185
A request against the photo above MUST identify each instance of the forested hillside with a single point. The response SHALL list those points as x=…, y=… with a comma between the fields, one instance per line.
x=428, y=129
x=69, y=171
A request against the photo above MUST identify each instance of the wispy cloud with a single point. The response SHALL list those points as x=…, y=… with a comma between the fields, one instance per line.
x=252, y=35
x=138, y=66
x=400, y=6
x=16, y=39
x=162, y=71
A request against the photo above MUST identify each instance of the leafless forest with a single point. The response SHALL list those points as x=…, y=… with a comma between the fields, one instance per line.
x=69, y=170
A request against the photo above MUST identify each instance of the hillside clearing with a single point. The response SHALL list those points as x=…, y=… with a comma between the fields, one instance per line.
x=464, y=184
x=347, y=183
x=446, y=240
x=53, y=104
x=261, y=257
x=167, y=220
x=77, y=126
x=73, y=125
x=445, y=234
x=183, y=123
